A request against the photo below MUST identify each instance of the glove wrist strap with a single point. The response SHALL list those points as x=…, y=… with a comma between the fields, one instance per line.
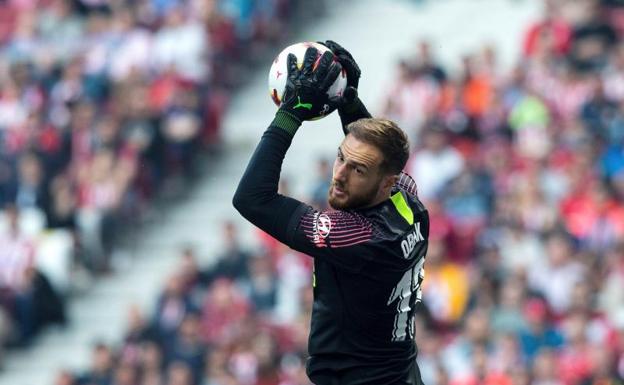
x=286, y=121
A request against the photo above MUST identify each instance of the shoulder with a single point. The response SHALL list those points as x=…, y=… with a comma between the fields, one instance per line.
x=407, y=183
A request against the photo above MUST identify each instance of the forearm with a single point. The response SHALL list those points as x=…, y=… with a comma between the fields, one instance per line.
x=256, y=197
x=353, y=111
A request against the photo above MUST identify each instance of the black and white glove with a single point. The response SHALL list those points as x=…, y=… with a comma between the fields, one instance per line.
x=348, y=63
x=305, y=96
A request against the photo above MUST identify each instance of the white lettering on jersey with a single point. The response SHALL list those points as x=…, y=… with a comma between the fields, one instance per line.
x=409, y=284
x=409, y=242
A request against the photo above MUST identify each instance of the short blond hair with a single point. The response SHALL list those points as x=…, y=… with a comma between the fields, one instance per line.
x=388, y=137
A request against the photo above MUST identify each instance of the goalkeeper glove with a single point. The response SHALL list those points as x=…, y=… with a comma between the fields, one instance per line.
x=346, y=61
x=305, y=96
x=349, y=98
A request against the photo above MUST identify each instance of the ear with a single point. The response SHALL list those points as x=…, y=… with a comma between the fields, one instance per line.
x=389, y=181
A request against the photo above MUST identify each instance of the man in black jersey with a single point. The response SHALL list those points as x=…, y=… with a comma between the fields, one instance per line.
x=368, y=252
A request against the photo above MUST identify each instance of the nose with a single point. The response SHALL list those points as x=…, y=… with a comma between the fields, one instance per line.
x=340, y=173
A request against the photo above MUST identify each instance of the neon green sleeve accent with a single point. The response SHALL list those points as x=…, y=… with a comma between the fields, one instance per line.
x=402, y=207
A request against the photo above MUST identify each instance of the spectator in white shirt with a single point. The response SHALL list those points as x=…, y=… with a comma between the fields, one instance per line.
x=181, y=43
x=435, y=164
x=17, y=274
x=556, y=277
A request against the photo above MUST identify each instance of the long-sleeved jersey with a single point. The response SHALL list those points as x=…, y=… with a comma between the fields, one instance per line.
x=368, y=268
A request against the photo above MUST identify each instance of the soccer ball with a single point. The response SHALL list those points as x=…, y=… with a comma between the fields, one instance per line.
x=279, y=72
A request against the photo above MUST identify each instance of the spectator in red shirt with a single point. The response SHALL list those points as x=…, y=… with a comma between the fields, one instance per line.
x=574, y=363
x=223, y=312
x=552, y=33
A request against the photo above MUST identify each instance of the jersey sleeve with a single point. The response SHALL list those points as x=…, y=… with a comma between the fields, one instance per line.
x=338, y=237
x=407, y=184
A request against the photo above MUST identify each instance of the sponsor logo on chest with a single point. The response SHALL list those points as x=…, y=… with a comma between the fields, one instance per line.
x=411, y=240
x=321, y=227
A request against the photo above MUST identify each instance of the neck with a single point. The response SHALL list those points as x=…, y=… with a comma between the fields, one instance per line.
x=382, y=196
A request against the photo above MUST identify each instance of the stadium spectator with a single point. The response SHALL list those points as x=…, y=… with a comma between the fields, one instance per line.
x=65, y=377
x=173, y=305
x=592, y=39
x=293, y=277
x=233, y=264
x=475, y=340
x=188, y=347
x=425, y=61
x=151, y=363
x=613, y=75
x=102, y=183
x=179, y=373
x=612, y=288
x=545, y=369
x=125, y=375
x=556, y=277
x=507, y=316
x=553, y=33
x=17, y=274
x=446, y=290
x=26, y=294
x=539, y=333
x=102, y=367
x=31, y=190
x=436, y=163
x=62, y=208
x=223, y=312
x=262, y=285
x=411, y=98
x=139, y=332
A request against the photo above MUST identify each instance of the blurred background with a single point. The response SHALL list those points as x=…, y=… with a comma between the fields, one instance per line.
x=125, y=126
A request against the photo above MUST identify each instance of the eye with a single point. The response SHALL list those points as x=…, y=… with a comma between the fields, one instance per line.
x=340, y=157
x=359, y=170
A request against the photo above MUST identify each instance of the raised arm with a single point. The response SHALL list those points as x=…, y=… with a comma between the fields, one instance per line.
x=256, y=197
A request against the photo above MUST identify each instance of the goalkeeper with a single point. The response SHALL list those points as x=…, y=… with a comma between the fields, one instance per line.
x=369, y=251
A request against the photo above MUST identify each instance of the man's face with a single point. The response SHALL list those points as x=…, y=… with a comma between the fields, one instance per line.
x=357, y=177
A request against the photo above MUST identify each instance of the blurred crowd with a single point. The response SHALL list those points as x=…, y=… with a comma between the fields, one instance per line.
x=523, y=176
x=243, y=320
x=103, y=105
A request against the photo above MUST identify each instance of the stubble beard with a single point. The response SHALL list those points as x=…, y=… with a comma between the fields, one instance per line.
x=352, y=201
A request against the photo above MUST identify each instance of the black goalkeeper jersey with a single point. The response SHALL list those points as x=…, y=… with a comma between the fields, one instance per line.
x=368, y=268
